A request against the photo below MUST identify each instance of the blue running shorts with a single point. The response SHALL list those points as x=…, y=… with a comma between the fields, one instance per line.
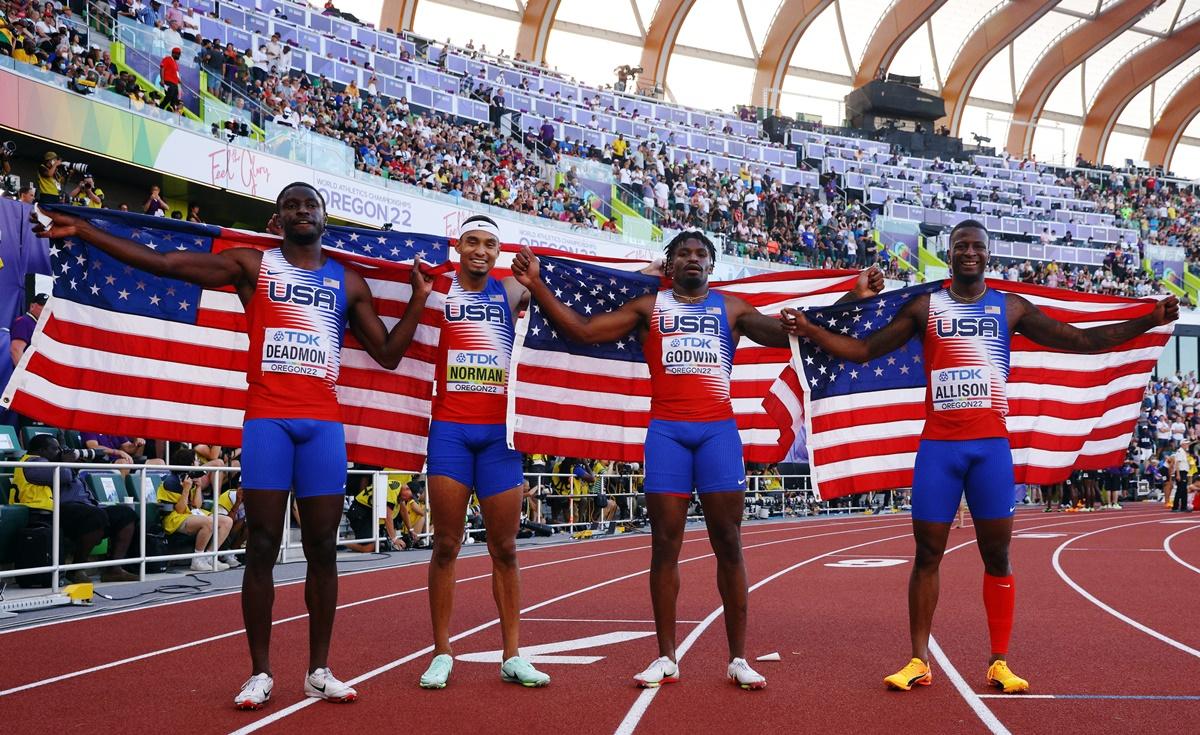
x=303, y=455
x=705, y=456
x=944, y=469
x=476, y=455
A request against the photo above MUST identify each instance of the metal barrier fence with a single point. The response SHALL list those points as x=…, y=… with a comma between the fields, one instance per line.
x=766, y=496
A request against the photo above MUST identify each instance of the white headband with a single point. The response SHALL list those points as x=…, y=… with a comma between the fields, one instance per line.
x=478, y=224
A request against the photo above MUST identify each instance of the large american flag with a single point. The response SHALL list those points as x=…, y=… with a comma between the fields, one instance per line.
x=120, y=351
x=1066, y=411
x=594, y=400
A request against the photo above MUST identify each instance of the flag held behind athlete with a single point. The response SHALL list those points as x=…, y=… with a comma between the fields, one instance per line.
x=1066, y=411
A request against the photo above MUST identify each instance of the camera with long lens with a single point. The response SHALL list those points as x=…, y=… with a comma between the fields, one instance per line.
x=8, y=149
x=193, y=474
x=81, y=455
x=73, y=167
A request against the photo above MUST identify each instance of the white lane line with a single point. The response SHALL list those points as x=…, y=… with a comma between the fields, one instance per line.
x=1171, y=552
x=301, y=616
x=630, y=723
x=988, y=717
x=642, y=703
x=600, y=620
x=297, y=706
x=1107, y=608
x=526, y=549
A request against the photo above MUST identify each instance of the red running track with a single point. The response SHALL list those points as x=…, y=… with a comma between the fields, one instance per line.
x=1105, y=626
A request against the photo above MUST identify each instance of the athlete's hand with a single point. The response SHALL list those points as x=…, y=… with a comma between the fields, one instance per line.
x=1166, y=311
x=525, y=267
x=870, y=282
x=795, y=323
x=274, y=227
x=421, y=283
x=656, y=268
x=62, y=225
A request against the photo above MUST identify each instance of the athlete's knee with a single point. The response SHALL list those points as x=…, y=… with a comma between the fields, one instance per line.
x=726, y=540
x=928, y=556
x=320, y=548
x=995, y=559
x=446, y=547
x=261, y=547
x=503, y=551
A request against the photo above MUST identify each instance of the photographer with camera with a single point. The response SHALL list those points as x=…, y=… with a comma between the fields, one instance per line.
x=82, y=521
x=49, y=179
x=182, y=491
x=87, y=194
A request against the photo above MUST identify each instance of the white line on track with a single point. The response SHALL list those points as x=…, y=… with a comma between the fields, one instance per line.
x=1171, y=552
x=635, y=713
x=1107, y=608
x=600, y=620
x=988, y=717
x=777, y=527
x=296, y=707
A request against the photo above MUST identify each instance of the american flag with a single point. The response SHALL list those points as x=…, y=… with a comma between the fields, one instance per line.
x=1066, y=411
x=593, y=401
x=120, y=351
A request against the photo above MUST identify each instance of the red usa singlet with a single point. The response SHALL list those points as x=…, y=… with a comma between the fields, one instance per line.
x=690, y=354
x=966, y=367
x=295, y=319
x=473, y=355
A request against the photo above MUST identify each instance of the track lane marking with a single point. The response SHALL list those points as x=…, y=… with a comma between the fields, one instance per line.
x=307, y=702
x=1171, y=552
x=635, y=713
x=1108, y=608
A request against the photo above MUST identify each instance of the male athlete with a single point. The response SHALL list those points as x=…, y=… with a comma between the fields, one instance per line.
x=966, y=331
x=468, y=446
x=688, y=333
x=292, y=438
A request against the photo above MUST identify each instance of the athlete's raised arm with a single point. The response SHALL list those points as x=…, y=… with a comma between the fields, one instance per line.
x=234, y=267
x=910, y=320
x=386, y=348
x=770, y=331
x=1034, y=324
x=606, y=327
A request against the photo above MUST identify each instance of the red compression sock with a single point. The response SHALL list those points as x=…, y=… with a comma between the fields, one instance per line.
x=999, y=595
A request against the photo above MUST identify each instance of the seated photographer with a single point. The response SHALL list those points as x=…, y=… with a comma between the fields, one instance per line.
x=361, y=516
x=414, y=509
x=82, y=521
x=230, y=504
x=183, y=492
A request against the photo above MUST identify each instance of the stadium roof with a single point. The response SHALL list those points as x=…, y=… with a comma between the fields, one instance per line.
x=1109, y=79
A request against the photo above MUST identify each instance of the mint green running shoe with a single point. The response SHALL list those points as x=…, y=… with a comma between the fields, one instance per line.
x=438, y=673
x=519, y=670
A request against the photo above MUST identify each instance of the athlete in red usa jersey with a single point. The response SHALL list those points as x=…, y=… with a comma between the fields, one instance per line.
x=298, y=302
x=966, y=330
x=688, y=334
x=468, y=446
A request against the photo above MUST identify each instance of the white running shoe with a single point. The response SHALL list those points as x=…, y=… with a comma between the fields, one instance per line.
x=661, y=670
x=230, y=560
x=255, y=693
x=322, y=684
x=740, y=673
x=203, y=564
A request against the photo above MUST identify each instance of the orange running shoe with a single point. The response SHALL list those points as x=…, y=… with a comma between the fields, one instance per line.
x=1001, y=677
x=915, y=672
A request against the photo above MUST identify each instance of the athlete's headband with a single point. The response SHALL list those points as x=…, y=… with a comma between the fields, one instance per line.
x=478, y=224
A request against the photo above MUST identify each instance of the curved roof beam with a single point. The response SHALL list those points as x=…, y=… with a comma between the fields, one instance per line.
x=398, y=14
x=1138, y=71
x=1177, y=114
x=790, y=22
x=536, y=22
x=902, y=19
x=660, y=39
x=991, y=36
x=1069, y=51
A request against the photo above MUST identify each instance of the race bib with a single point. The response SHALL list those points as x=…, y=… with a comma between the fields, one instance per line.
x=692, y=354
x=476, y=371
x=957, y=388
x=295, y=351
